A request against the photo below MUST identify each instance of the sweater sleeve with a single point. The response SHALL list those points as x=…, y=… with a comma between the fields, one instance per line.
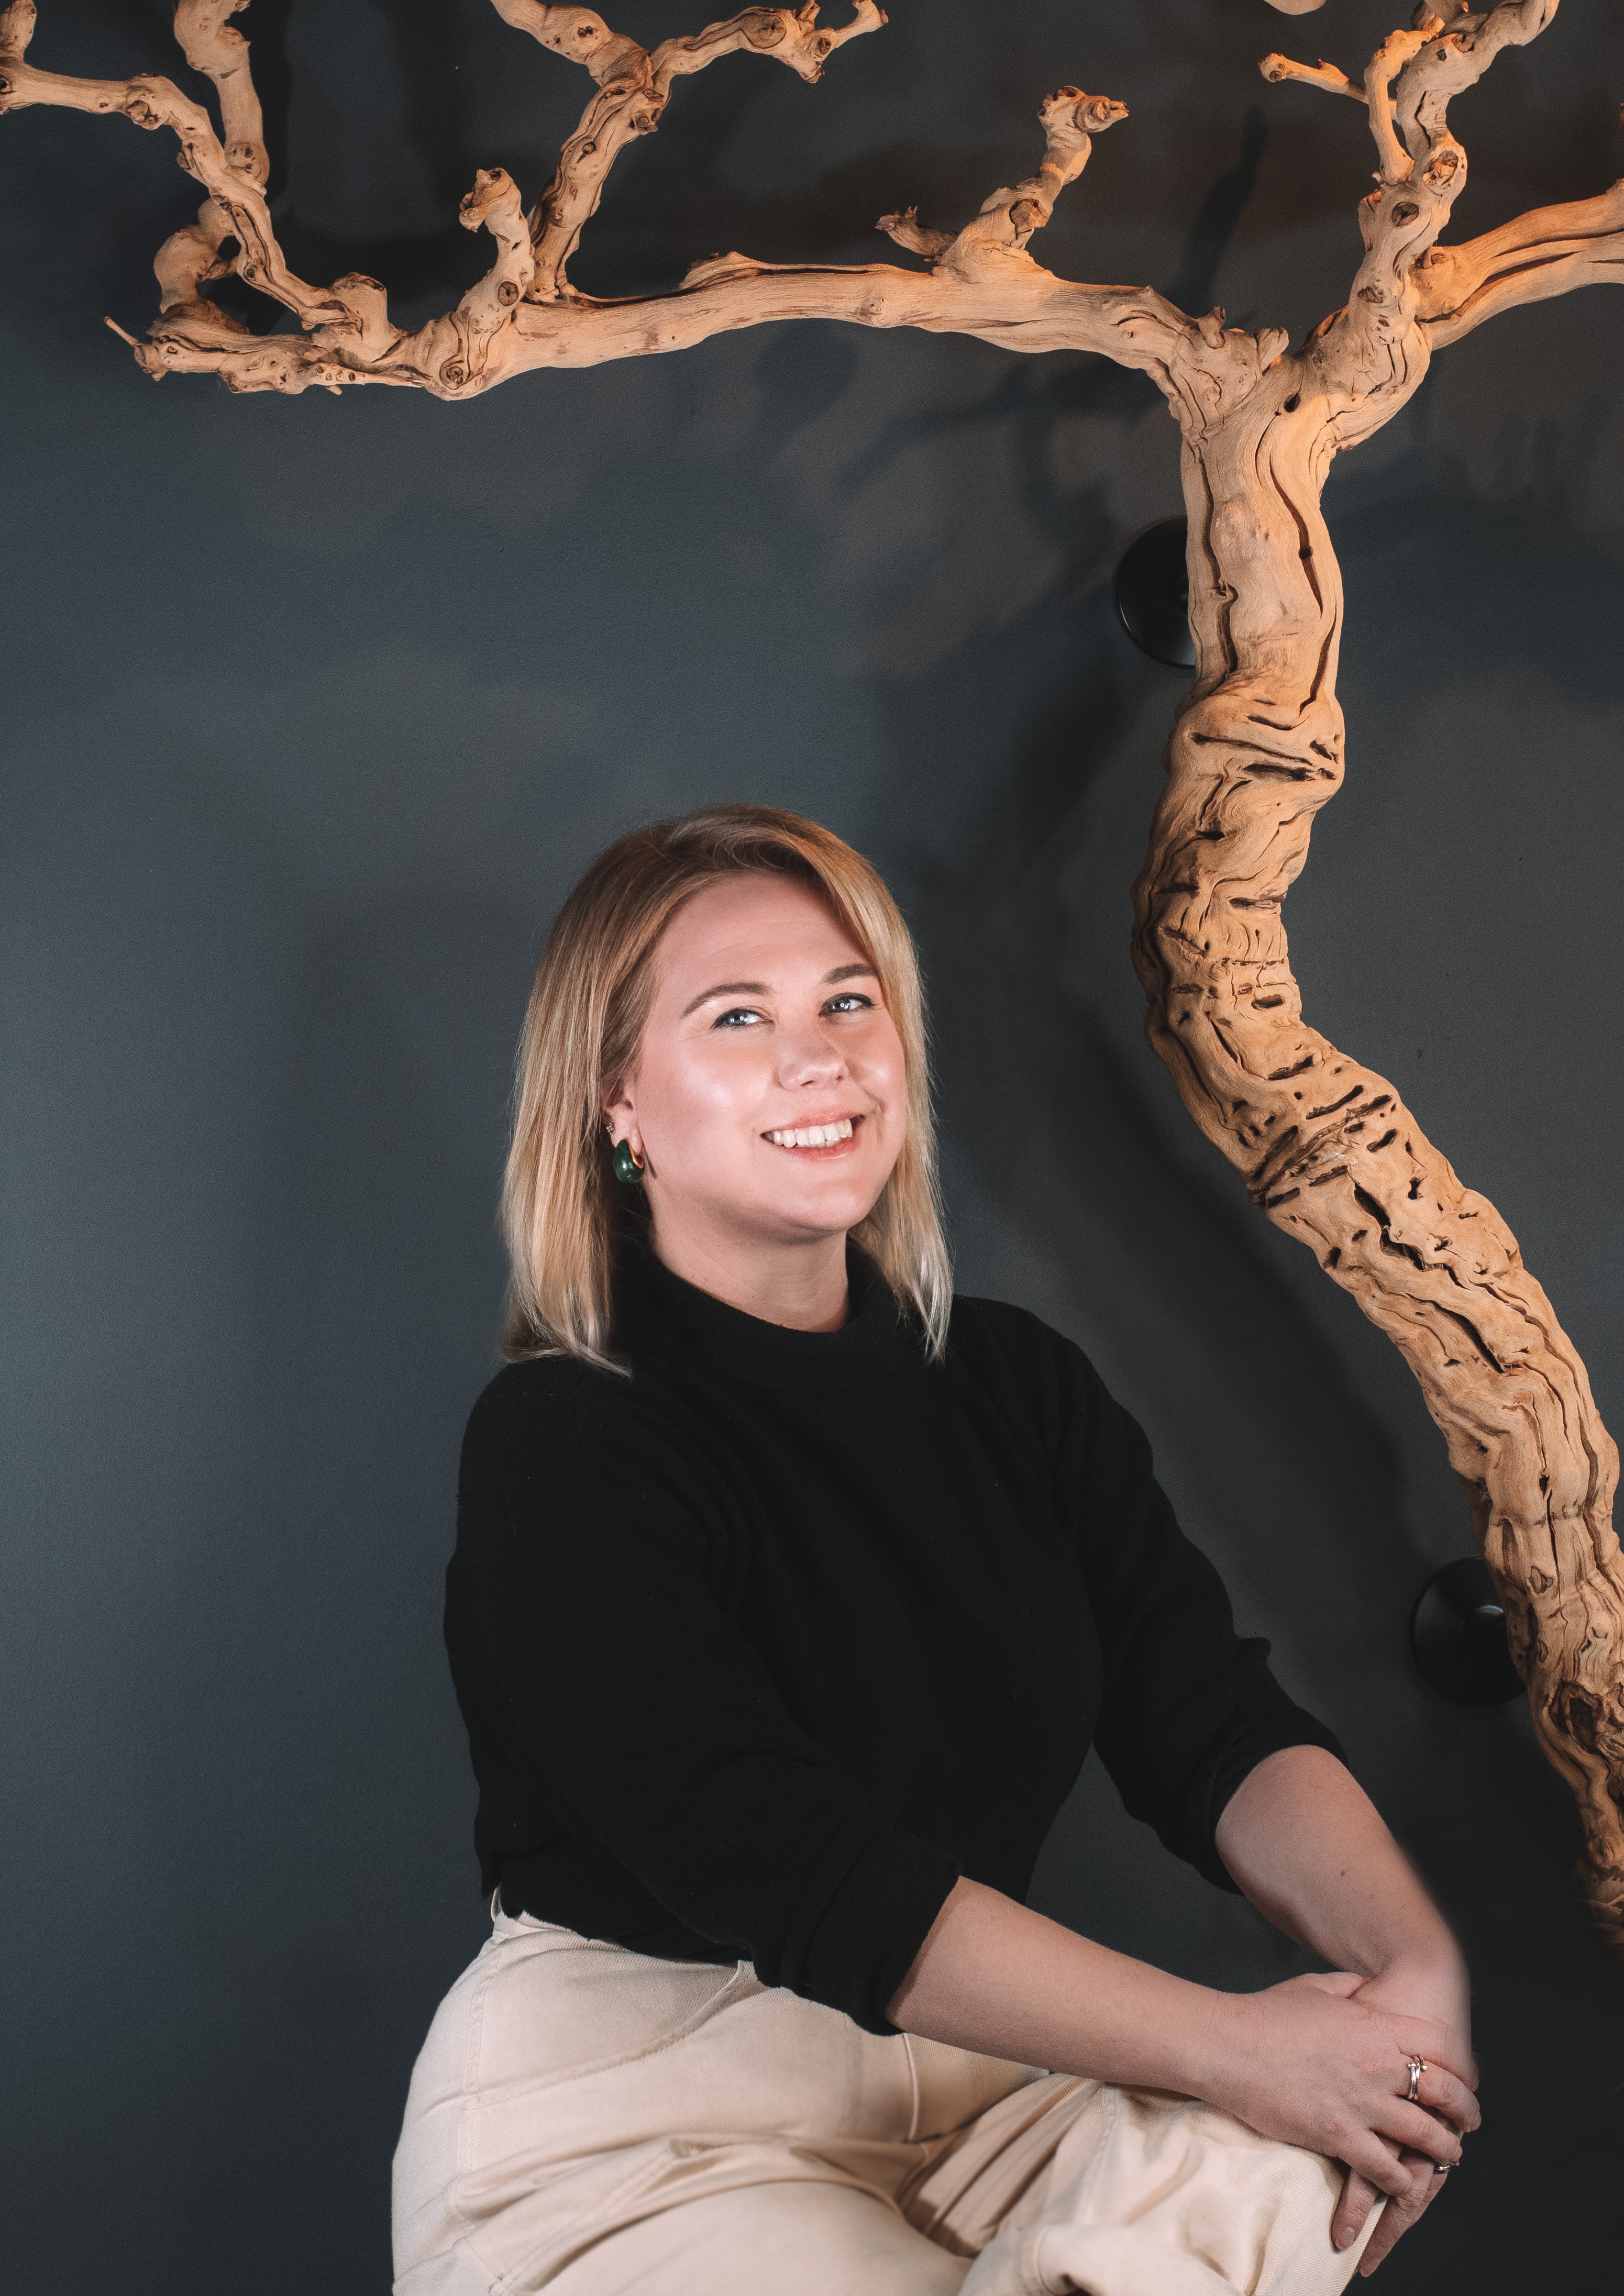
x=579, y=1597
x=1189, y=1706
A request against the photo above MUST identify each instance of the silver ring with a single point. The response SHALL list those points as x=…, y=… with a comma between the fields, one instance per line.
x=1441, y=2168
x=1417, y=2066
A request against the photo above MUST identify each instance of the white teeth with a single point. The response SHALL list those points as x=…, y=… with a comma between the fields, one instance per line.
x=813, y=1135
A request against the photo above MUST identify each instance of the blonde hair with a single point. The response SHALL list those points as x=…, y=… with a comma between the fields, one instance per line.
x=582, y=1029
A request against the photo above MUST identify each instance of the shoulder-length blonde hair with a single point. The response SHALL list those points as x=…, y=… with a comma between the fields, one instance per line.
x=581, y=1033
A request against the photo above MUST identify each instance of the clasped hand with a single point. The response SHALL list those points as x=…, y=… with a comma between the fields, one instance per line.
x=1321, y=2061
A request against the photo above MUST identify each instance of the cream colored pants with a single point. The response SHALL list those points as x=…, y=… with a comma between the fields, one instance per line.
x=587, y=2121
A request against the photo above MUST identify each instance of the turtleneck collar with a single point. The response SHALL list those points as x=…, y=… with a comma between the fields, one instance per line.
x=655, y=1309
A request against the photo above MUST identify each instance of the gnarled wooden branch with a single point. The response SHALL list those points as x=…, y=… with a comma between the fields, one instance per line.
x=633, y=89
x=213, y=48
x=1327, y=1148
x=1007, y=219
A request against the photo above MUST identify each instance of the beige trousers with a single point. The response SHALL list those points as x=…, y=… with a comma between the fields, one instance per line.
x=590, y=2122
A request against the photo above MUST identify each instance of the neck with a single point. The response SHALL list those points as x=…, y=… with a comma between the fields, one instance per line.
x=801, y=1285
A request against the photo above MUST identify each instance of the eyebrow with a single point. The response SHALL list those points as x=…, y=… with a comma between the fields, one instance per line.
x=760, y=987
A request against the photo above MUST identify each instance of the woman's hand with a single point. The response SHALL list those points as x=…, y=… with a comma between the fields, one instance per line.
x=1321, y=2061
x=1303, y=1842
x=1441, y=1996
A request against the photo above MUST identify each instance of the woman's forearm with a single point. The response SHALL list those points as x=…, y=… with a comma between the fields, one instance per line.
x=1317, y=2061
x=1310, y=1849
x=996, y=1977
x=1305, y=1844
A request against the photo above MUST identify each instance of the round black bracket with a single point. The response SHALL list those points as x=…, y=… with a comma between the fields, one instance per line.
x=1457, y=1637
x=1151, y=594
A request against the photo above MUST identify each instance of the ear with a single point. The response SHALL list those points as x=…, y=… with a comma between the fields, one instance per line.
x=621, y=1116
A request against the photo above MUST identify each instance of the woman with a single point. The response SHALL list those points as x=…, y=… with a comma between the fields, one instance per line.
x=789, y=1592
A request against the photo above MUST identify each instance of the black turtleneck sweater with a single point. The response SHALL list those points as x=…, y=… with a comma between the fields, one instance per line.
x=762, y=1647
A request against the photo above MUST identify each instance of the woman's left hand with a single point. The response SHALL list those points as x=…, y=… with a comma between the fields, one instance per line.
x=1441, y=1996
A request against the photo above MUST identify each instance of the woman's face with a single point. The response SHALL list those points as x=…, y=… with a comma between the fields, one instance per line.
x=765, y=1023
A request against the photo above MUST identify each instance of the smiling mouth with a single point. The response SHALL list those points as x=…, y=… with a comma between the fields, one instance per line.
x=832, y=1138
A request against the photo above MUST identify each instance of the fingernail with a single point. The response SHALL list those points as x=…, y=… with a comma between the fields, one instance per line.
x=1344, y=2239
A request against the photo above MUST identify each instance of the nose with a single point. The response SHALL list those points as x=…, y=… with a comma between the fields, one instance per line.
x=809, y=1055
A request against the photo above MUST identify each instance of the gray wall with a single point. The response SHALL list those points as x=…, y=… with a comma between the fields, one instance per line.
x=313, y=709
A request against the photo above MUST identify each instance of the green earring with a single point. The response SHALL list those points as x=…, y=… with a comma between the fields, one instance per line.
x=627, y=1166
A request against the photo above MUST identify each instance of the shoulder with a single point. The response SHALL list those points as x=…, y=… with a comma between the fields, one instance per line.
x=1025, y=1364
x=537, y=1406
x=985, y=1333
x=553, y=1420
x=540, y=1389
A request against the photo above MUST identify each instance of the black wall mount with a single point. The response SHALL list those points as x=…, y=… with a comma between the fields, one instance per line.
x=1457, y=1637
x=1151, y=591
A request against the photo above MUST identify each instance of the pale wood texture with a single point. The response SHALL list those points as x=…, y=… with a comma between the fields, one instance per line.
x=1326, y=1148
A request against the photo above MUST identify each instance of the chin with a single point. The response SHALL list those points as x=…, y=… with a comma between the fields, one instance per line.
x=828, y=1213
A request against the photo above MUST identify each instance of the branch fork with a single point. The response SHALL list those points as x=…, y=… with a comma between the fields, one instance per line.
x=634, y=86
x=1071, y=121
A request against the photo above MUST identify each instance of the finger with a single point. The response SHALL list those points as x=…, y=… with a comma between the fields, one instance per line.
x=1354, y=2205
x=1372, y=2157
x=1399, y=2216
x=1442, y=2092
x=1413, y=2125
x=1432, y=2044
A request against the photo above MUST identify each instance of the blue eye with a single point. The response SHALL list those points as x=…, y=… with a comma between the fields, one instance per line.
x=738, y=1012
x=849, y=996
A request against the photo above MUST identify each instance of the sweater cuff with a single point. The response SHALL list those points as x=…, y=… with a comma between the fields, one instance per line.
x=871, y=1925
x=1269, y=1735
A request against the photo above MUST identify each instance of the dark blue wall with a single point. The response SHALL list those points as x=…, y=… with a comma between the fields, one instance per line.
x=313, y=710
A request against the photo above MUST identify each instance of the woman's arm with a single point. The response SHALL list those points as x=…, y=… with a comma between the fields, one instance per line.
x=1310, y=1850
x=1318, y=2062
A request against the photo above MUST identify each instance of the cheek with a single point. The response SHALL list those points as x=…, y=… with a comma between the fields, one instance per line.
x=702, y=1087
x=884, y=1069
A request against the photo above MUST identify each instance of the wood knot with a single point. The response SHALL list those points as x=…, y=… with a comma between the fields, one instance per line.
x=1406, y=211
x=770, y=33
x=454, y=374
x=509, y=291
x=1026, y=215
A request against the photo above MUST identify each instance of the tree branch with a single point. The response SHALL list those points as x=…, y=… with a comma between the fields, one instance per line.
x=1374, y=351
x=1331, y=78
x=634, y=88
x=1546, y=252
x=1071, y=121
x=983, y=282
x=1328, y=1149
x=211, y=45
x=235, y=193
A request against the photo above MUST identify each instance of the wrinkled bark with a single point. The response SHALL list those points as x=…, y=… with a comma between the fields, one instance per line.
x=1327, y=1148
